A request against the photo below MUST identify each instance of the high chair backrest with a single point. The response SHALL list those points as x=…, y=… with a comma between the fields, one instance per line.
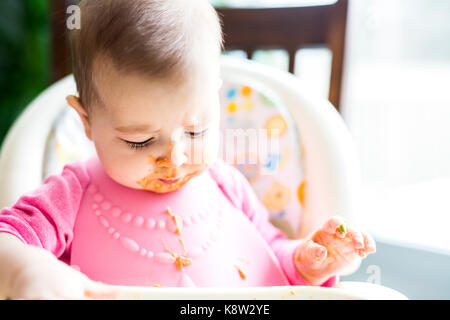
x=313, y=175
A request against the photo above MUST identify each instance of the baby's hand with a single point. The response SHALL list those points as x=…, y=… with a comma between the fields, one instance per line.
x=48, y=278
x=329, y=250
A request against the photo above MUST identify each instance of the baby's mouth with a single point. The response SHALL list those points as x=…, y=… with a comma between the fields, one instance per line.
x=169, y=181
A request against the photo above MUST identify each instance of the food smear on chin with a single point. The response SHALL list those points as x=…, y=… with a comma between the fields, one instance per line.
x=151, y=183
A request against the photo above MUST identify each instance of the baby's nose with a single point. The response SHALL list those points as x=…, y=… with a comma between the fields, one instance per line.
x=175, y=157
x=164, y=162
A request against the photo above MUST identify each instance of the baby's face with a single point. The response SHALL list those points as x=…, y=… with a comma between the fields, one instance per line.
x=155, y=135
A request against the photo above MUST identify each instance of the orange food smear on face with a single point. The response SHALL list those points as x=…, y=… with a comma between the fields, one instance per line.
x=158, y=286
x=151, y=159
x=164, y=162
x=149, y=183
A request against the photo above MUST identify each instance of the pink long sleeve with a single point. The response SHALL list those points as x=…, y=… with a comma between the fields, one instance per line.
x=45, y=217
x=241, y=194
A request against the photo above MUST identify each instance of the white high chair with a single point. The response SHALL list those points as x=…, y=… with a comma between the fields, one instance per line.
x=326, y=156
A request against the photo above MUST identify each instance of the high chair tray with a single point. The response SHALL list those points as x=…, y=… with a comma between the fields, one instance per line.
x=342, y=291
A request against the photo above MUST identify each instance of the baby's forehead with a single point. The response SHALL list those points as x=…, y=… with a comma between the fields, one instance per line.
x=133, y=99
x=113, y=84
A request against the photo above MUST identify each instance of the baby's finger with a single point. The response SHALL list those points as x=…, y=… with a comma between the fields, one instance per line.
x=357, y=239
x=369, y=243
x=315, y=252
x=310, y=254
x=335, y=225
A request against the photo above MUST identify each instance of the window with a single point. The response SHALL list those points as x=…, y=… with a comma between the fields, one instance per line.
x=397, y=105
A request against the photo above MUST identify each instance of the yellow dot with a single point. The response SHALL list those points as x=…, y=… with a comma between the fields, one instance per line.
x=232, y=107
x=277, y=124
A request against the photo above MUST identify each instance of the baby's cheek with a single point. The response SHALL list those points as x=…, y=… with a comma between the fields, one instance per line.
x=127, y=172
x=203, y=151
x=210, y=153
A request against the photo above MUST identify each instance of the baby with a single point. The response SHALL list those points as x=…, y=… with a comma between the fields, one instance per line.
x=156, y=207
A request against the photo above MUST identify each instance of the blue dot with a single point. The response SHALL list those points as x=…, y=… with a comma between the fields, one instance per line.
x=231, y=93
x=273, y=162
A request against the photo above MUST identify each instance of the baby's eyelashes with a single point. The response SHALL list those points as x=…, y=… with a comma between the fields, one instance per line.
x=191, y=134
x=196, y=134
x=139, y=145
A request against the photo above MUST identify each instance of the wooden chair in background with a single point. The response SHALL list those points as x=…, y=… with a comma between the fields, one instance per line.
x=291, y=29
x=250, y=29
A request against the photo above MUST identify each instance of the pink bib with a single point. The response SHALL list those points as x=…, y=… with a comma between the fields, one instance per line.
x=190, y=237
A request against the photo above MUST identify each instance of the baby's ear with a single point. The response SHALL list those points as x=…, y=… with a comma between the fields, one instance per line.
x=76, y=104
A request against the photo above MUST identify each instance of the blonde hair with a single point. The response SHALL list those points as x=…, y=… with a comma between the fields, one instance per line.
x=157, y=38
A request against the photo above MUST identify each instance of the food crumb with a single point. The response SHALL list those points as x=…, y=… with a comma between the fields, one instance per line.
x=241, y=273
x=341, y=229
x=177, y=220
x=182, y=262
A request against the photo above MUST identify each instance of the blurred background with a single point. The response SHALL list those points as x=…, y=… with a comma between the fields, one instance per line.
x=24, y=56
x=393, y=95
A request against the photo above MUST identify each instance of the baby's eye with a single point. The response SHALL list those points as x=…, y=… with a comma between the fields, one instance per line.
x=140, y=145
x=193, y=135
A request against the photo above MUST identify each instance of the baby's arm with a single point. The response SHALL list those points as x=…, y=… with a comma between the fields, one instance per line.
x=45, y=217
x=38, y=230
x=29, y=272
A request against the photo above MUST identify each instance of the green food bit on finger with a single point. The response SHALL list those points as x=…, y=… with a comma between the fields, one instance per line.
x=341, y=228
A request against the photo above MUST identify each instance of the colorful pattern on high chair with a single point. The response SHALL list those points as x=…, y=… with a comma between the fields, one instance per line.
x=278, y=179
